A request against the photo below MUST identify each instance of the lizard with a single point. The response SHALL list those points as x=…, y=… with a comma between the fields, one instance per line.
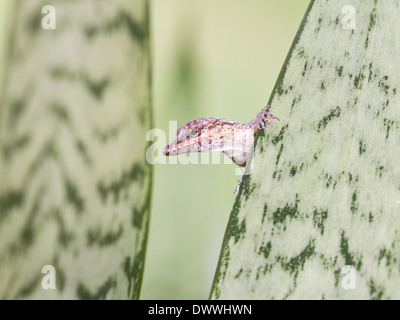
x=211, y=134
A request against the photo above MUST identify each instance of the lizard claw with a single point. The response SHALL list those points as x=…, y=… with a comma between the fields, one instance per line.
x=262, y=118
x=272, y=116
x=264, y=110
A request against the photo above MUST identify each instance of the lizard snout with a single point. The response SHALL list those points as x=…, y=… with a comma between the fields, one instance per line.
x=166, y=151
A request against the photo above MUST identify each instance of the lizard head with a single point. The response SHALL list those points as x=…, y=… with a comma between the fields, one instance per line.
x=201, y=135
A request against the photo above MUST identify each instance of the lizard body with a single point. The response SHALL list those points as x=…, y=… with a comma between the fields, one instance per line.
x=234, y=138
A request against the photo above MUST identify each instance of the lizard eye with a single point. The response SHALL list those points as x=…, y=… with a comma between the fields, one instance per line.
x=194, y=132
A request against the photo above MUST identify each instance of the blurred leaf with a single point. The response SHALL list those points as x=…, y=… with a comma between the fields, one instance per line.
x=75, y=185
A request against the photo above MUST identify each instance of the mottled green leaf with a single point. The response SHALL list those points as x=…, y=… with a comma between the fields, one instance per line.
x=325, y=190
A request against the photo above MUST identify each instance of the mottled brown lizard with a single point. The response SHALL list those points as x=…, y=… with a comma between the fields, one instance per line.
x=235, y=139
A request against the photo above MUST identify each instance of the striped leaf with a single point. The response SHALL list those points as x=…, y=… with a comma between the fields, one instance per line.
x=75, y=185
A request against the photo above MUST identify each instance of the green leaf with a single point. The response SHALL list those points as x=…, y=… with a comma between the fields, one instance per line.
x=325, y=190
x=75, y=185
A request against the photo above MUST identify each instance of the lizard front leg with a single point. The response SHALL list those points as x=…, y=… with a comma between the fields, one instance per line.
x=258, y=123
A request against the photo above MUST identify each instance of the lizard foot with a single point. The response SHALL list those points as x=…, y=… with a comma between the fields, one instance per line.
x=237, y=187
x=262, y=118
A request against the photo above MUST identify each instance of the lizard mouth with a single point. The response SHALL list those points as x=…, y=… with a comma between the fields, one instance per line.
x=166, y=151
x=173, y=149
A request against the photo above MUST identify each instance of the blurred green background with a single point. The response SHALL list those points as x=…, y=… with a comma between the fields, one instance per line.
x=4, y=15
x=210, y=58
